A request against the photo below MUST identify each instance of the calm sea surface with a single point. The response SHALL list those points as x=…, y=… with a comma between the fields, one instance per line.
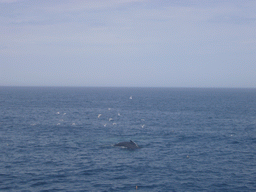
x=61, y=139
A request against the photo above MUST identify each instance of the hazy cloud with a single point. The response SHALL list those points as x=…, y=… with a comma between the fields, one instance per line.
x=128, y=43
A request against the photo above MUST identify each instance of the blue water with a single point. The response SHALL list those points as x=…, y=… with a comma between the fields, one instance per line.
x=51, y=139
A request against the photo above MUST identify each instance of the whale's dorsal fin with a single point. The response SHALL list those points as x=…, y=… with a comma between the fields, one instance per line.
x=134, y=143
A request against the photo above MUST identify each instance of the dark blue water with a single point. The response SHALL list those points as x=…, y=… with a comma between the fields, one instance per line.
x=51, y=139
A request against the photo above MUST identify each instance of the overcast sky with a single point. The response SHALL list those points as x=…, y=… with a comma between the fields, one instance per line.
x=128, y=43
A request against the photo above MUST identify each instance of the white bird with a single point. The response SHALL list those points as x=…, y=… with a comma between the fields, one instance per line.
x=99, y=115
x=105, y=125
x=110, y=119
x=130, y=97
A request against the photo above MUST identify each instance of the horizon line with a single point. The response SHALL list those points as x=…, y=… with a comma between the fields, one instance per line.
x=133, y=87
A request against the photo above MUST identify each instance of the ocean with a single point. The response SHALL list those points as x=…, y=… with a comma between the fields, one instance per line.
x=191, y=139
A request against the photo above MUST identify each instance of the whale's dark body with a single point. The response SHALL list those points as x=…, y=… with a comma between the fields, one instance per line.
x=128, y=145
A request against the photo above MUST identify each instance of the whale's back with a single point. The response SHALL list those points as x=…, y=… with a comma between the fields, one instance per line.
x=128, y=145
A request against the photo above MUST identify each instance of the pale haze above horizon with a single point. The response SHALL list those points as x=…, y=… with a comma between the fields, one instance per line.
x=128, y=43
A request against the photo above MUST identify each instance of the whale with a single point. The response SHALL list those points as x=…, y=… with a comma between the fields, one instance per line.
x=129, y=145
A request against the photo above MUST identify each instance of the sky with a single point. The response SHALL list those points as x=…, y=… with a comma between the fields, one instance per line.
x=128, y=43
